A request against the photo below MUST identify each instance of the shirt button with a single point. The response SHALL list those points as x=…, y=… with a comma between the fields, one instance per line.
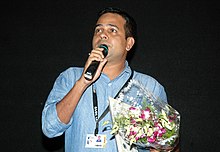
x=110, y=84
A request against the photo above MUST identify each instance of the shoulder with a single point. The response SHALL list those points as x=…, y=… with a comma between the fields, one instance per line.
x=144, y=78
x=70, y=74
x=72, y=71
x=151, y=84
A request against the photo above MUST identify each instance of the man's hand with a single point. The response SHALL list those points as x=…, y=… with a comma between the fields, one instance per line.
x=95, y=55
x=154, y=150
x=176, y=149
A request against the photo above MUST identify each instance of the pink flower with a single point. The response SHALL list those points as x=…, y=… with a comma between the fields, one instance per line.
x=163, y=130
x=160, y=132
x=133, y=121
x=133, y=133
x=145, y=114
x=156, y=124
x=142, y=116
x=143, y=135
x=132, y=108
x=155, y=133
x=151, y=139
x=147, y=109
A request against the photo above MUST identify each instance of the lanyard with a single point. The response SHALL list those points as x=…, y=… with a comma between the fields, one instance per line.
x=95, y=104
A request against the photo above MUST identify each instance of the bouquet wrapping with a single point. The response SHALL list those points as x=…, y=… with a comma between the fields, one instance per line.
x=142, y=121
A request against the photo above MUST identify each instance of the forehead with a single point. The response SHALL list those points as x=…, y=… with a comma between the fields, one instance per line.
x=111, y=18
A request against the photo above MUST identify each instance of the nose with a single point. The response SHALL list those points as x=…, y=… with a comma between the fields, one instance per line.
x=103, y=36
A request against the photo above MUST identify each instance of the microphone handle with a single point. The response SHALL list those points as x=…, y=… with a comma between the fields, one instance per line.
x=91, y=70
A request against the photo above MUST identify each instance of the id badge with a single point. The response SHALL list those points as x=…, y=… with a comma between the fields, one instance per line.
x=98, y=141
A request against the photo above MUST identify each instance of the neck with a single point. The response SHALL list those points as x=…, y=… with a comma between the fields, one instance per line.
x=112, y=71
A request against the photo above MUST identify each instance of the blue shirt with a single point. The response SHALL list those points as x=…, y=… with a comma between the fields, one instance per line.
x=83, y=120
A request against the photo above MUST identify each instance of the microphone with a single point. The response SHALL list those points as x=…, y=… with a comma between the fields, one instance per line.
x=91, y=70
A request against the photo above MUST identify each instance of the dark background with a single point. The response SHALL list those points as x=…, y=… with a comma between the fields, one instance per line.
x=178, y=45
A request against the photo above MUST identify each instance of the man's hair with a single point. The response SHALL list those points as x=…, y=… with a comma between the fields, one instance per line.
x=130, y=25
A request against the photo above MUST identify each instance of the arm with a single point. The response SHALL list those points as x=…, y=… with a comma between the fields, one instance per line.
x=65, y=108
x=54, y=122
x=63, y=99
x=67, y=105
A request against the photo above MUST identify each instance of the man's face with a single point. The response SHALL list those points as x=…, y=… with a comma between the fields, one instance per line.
x=110, y=31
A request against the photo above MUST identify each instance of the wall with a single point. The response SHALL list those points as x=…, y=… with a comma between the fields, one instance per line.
x=178, y=45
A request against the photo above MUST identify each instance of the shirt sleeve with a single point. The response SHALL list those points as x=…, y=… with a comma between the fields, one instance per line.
x=51, y=124
x=163, y=95
x=152, y=85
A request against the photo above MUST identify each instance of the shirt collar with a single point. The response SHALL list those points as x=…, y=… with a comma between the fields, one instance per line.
x=127, y=69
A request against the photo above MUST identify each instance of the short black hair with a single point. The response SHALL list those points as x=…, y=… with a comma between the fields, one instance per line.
x=130, y=25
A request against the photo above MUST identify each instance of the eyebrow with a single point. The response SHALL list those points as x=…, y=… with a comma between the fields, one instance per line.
x=112, y=25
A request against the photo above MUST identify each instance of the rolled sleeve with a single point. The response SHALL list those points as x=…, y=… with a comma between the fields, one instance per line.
x=51, y=124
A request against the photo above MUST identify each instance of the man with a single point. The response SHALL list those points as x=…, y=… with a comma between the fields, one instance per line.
x=69, y=108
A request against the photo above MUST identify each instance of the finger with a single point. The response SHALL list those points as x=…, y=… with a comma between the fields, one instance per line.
x=100, y=67
x=96, y=55
x=98, y=51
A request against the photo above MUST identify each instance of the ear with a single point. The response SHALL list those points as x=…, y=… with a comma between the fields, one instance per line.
x=130, y=43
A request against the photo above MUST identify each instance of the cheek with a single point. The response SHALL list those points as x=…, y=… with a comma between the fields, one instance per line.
x=120, y=43
x=94, y=41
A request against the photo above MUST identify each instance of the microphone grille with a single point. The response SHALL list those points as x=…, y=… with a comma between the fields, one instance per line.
x=105, y=47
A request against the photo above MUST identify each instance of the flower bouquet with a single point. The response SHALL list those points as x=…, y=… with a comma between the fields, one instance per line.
x=142, y=121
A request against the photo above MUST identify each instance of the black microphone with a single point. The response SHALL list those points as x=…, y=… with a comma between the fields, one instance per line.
x=91, y=70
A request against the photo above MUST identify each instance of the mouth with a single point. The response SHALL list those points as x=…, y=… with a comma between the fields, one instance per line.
x=98, y=45
x=101, y=43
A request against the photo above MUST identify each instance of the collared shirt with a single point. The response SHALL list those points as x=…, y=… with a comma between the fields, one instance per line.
x=83, y=121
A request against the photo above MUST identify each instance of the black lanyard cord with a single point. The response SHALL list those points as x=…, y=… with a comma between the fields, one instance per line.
x=95, y=104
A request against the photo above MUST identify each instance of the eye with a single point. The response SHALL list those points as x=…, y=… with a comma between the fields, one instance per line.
x=113, y=30
x=98, y=30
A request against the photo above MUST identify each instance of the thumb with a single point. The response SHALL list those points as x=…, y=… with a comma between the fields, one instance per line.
x=100, y=68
